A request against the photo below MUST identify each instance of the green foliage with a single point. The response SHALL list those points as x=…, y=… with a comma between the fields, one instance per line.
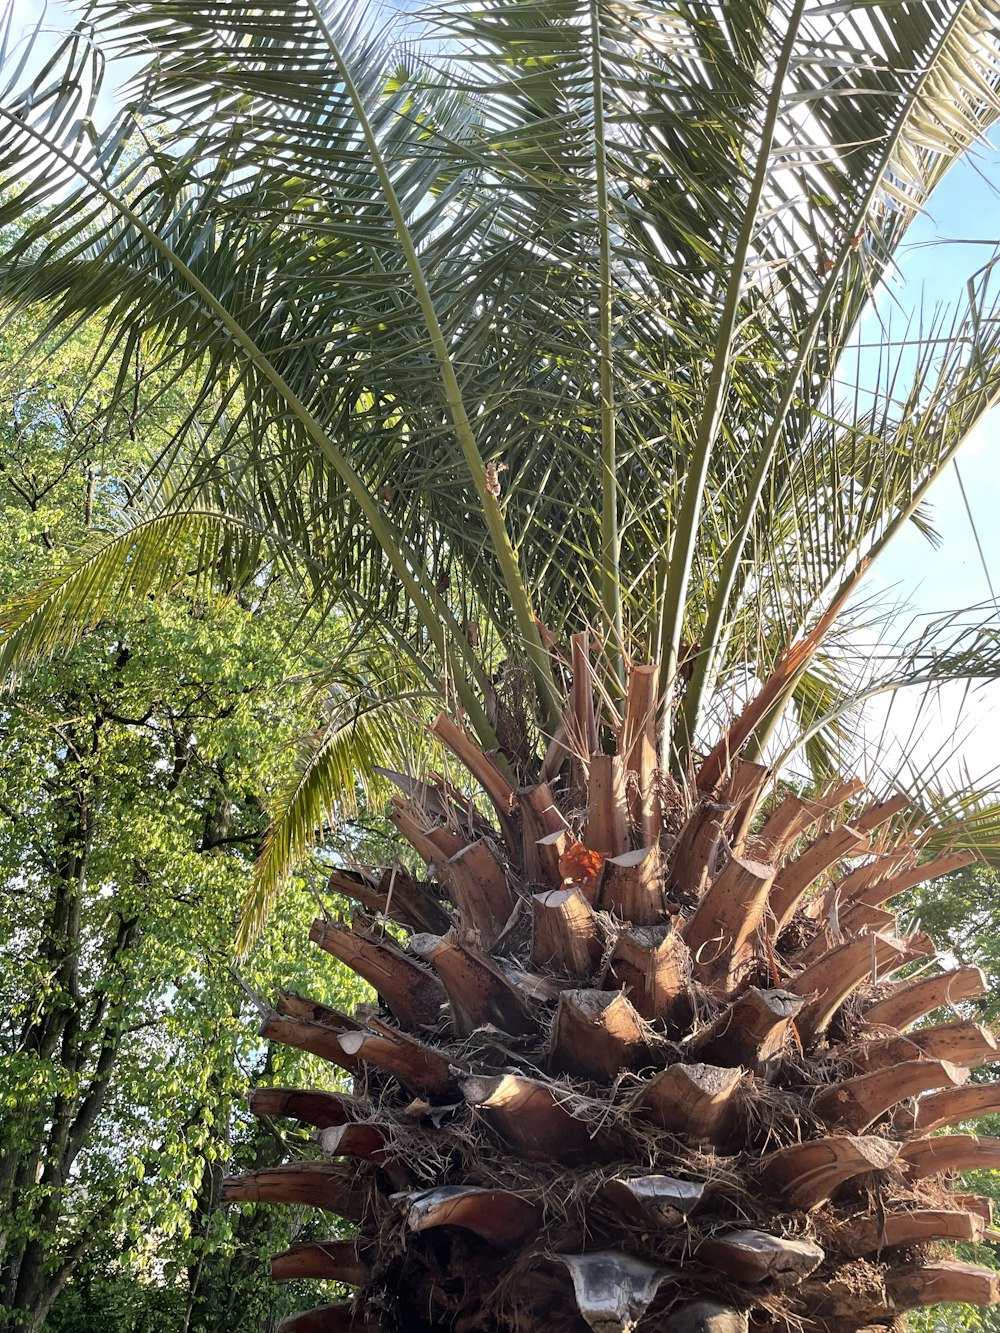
x=139, y=764
x=138, y=1307
x=961, y=912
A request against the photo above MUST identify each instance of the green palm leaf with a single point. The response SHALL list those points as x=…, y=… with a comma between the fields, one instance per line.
x=150, y=557
x=334, y=769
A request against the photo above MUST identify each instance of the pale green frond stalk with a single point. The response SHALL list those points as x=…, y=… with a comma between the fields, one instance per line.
x=681, y=556
x=514, y=587
x=610, y=545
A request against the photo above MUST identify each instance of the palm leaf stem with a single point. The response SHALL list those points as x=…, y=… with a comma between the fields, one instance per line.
x=713, y=636
x=434, y=613
x=610, y=543
x=858, y=561
x=680, y=558
x=506, y=556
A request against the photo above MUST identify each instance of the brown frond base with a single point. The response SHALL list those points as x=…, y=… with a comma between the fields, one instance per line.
x=639, y=1066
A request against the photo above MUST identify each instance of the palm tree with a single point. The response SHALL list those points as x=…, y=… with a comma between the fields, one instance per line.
x=540, y=326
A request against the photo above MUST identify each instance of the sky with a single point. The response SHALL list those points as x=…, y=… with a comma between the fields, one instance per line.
x=958, y=233
x=935, y=261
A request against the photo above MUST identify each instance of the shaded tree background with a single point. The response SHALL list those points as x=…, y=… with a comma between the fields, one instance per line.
x=132, y=806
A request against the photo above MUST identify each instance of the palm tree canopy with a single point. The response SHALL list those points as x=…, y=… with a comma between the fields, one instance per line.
x=537, y=323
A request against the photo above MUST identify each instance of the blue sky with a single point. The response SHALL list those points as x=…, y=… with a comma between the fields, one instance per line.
x=958, y=234
x=936, y=260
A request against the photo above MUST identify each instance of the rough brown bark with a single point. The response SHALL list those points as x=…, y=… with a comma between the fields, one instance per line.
x=672, y=1043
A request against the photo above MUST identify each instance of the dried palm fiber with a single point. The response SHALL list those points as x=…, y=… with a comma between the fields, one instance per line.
x=646, y=1059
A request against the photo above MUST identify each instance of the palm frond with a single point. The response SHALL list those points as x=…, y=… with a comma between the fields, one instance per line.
x=202, y=548
x=934, y=111
x=822, y=692
x=334, y=770
x=127, y=250
x=963, y=820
